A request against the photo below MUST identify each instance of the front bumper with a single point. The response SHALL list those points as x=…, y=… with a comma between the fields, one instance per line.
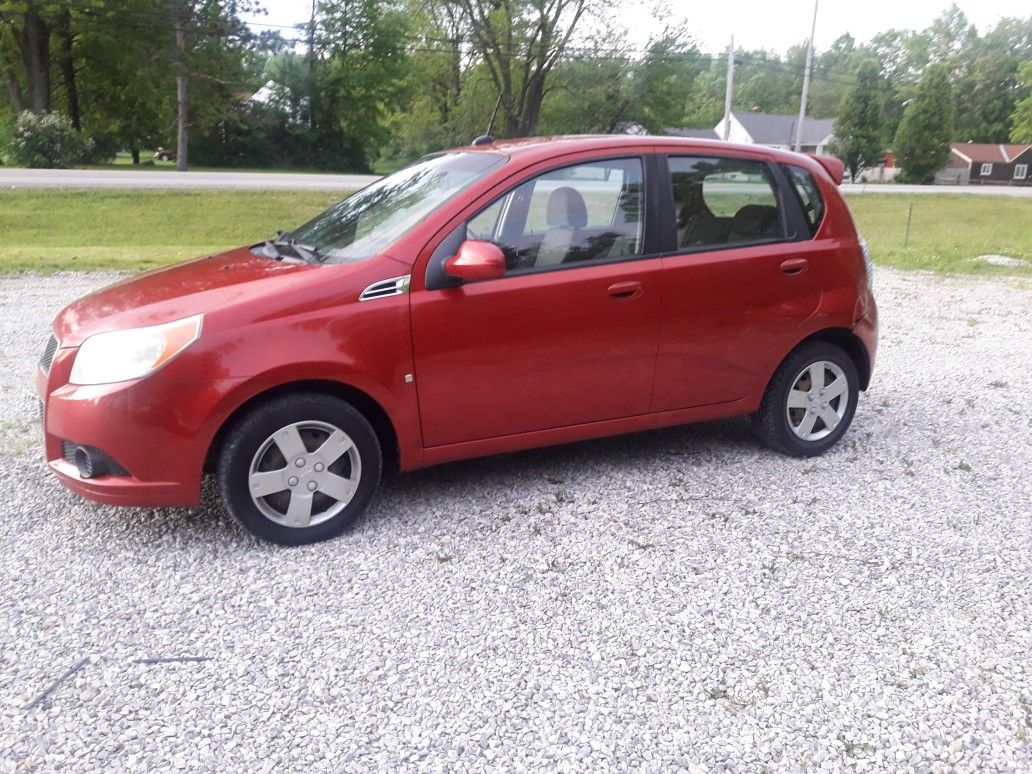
x=156, y=428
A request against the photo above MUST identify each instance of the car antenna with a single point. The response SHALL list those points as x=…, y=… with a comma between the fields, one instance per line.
x=486, y=138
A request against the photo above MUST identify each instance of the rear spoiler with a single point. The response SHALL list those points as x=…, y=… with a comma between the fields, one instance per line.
x=832, y=165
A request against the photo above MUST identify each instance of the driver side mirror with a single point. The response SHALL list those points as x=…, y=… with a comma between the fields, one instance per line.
x=476, y=260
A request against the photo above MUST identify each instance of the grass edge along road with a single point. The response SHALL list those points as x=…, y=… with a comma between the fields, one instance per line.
x=81, y=230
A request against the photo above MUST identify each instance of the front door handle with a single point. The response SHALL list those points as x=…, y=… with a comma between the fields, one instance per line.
x=625, y=289
x=794, y=266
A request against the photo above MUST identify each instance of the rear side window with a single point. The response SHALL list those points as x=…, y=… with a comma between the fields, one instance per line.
x=723, y=201
x=809, y=196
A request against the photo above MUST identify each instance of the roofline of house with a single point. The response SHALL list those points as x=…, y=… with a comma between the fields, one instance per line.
x=967, y=159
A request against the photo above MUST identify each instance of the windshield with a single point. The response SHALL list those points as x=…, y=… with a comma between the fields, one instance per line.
x=365, y=223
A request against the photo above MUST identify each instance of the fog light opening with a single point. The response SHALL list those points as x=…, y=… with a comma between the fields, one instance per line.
x=83, y=461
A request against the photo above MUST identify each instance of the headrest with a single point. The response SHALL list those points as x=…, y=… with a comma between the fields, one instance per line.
x=755, y=220
x=566, y=209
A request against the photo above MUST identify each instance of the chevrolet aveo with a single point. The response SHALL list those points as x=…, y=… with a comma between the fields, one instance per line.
x=492, y=298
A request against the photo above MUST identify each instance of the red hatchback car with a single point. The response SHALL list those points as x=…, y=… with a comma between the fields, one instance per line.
x=491, y=298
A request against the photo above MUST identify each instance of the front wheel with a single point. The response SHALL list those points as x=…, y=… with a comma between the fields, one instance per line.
x=300, y=469
x=810, y=400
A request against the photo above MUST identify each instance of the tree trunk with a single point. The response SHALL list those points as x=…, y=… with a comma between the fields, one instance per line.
x=35, y=48
x=14, y=91
x=532, y=107
x=183, y=125
x=135, y=151
x=68, y=69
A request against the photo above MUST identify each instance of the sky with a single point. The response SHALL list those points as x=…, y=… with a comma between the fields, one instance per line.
x=773, y=25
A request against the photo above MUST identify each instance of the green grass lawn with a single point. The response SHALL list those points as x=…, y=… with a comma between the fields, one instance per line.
x=946, y=231
x=52, y=230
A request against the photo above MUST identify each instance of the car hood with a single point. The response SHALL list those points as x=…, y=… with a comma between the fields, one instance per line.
x=173, y=293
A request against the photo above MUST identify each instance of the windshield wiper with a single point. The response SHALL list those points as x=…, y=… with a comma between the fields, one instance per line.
x=308, y=252
x=295, y=251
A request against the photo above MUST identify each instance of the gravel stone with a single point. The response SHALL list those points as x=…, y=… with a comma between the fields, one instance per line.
x=682, y=599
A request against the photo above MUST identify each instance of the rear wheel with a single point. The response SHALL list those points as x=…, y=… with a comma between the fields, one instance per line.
x=810, y=401
x=300, y=469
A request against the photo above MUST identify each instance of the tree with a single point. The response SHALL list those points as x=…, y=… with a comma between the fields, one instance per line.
x=1021, y=120
x=923, y=140
x=357, y=75
x=657, y=85
x=117, y=46
x=520, y=42
x=859, y=128
x=604, y=86
x=25, y=29
x=987, y=78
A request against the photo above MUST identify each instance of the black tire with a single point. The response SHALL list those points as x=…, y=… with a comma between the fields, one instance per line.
x=771, y=423
x=253, y=433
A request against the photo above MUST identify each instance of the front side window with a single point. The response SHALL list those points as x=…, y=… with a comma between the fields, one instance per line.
x=1020, y=171
x=586, y=212
x=723, y=201
x=364, y=224
x=987, y=169
x=809, y=195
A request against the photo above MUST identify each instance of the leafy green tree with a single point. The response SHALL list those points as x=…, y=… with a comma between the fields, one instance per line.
x=658, y=80
x=923, y=140
x=987, y=77
x=118, y=47
x=603, y=88
x=859, y=128
x=589, y=94
x=521, y=42
x=1021, y=120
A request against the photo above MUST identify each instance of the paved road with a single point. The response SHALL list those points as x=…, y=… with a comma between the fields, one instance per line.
x=1017, y=191
x=169, y=179
x=265, y=181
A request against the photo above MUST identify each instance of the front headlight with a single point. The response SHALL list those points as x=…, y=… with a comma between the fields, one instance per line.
x=118, y=356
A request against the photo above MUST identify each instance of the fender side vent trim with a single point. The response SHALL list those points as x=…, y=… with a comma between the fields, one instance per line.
x=395, y=286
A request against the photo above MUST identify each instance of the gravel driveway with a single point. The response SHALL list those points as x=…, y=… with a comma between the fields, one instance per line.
x=675, y=599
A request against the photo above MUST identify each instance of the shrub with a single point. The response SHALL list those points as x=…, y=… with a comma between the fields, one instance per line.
x=100, y=148
x=44, y=140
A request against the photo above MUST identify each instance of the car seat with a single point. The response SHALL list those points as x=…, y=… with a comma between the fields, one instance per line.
x=566, y=215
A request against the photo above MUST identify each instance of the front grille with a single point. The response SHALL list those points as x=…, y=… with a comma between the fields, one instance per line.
x=48, y=354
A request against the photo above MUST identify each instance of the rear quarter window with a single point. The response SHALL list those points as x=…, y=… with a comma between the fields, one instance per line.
x=809, y=196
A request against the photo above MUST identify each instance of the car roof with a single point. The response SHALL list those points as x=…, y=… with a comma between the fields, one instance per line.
x=529, y=149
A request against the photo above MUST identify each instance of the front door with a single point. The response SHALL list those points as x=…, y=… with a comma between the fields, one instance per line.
x=568, y=336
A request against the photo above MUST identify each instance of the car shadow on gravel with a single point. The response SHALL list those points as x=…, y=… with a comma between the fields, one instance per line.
x=447, y=488
x=729, y=440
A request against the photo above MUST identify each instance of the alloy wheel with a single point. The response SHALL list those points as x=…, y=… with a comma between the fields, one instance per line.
x=817, y=400
x=304, y=474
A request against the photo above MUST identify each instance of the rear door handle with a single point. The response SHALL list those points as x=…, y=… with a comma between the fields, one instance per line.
x=794, y=266
x=630, y=289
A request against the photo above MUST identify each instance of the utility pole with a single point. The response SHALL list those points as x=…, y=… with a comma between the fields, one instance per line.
x=311, y=66
x=182, y=102
x=311, y=40
x=806, y=83
x=729, y=88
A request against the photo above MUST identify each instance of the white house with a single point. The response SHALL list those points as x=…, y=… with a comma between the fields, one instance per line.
x=778, y=131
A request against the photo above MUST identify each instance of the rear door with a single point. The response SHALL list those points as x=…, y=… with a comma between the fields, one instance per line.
x=569, y=335
x=737, y=286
